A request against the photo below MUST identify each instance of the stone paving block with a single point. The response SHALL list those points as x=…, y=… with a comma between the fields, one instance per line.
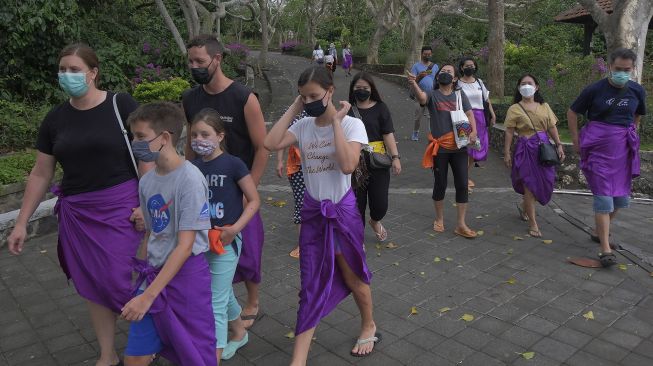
x=446, y=326
x=631, y=324
x=553, y=349
x=57, y=329
x=403, y=351
x=10, y=316
x=553, y=315
x=15, y=327
x=18, y=340
x=605, y=350
x=256, y=348
x=537, y=324
x=425, y=339
x=62, y=342
x=538, y=360
x=480, y=305
x=621, y=338
x=521, y=337
x=26, y=354
x=328, y=359
x=453, y=350
x=479, y=358
x=614, y=305
x=634, y=359
x=503, y=350
x=508, y=313
x=571, y=337
x=75, y=354
x=277, y=358
x=491, y=325
x=473, y=338
x=431, y=359
x=583, y=358
x=645, y=348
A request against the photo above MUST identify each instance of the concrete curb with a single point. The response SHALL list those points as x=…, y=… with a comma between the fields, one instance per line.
x=42, y=222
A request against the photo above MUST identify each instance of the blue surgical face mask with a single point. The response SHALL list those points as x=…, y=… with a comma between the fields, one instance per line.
x=73, y=83
x=142, y=152
x=620, y=77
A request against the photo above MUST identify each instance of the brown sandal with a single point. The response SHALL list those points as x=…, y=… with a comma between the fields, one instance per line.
x=466, y=233
x=438, y=227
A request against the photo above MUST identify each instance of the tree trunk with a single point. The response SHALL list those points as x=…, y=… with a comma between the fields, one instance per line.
x=171, y=26
x=626, y=26
x=373, y=50
x=496, y=41
x=417, y=30
x=263, y=14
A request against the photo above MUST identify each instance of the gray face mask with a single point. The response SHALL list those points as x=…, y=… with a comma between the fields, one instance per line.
x=142, y=152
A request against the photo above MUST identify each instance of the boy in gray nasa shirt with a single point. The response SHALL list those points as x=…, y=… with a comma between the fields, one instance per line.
x=171, y=313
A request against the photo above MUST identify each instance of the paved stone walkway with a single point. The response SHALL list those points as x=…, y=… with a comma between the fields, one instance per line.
x=518, y=293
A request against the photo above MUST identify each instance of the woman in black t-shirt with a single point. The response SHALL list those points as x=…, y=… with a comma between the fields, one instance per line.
x=98, y=192
x=368, y=106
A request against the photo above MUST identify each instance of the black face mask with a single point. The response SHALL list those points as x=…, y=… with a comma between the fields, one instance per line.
x=426, y=58
x=201, y=74
x=469, y=71
x=445, y=78
x=315, y=108
x=362, y=95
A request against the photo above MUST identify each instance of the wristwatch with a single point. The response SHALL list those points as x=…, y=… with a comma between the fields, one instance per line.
x=398, y=157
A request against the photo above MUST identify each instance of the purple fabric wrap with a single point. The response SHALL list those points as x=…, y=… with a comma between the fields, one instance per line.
x=527, y=170
x=347, y=62
x=97, y=242
x=182, y=312
x=482, y=135
x=609, y=158
x=249, y=264
x=322, y=284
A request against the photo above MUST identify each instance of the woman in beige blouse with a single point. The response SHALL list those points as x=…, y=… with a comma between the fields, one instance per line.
x=534, y=122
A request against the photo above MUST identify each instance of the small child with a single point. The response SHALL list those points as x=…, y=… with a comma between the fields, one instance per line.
x=228, y=178
x=171, y=313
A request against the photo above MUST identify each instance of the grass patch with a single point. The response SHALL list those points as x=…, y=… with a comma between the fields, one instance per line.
x=15, y=168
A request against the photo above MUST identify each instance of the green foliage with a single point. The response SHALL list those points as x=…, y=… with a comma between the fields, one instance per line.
x=19, y=124
x=168, y=90
x=31, y=35
x=15, y=168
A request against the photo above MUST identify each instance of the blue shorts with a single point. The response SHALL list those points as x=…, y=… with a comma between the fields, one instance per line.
x=143, y=337
x=607, y=204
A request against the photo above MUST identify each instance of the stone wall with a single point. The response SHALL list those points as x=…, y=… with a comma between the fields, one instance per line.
x=569, y=175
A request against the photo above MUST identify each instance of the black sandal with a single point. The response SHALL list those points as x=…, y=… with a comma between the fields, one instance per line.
x=607, y=259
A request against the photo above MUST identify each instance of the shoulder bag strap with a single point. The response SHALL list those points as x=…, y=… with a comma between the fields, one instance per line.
x=459, y=101
x=482, y=89
x=529, y=117
x=124, y=132
x=357, y=114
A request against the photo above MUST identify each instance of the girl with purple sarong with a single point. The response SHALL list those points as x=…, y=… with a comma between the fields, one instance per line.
x=609, y=144
x=534, y=122
x=478, y=95
x=98, y=196
x=347, y=59
x=332, y=261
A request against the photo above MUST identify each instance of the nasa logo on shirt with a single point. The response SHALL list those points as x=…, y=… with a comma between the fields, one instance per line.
x=204, y=213
x=159, y=211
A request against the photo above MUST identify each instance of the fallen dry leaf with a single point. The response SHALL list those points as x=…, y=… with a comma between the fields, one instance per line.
x=528, y=355
x=547, y=241
x=269, y=198
x=391, y=245
x=422, y=274
x=444, y=309
x=448, y=259
x=413, y=311
x=290, y=335
x=455, y=205
x=395, y=263
x=279, y=203
x=510, y=251
x=623, y=267
x=378, y=254
x=467, y=317
x=479, y=216
x=511, y=281
x=378, y=245
x=414, y=191
x=517, y=238
x=44, y=251
x=480, y=233
x=437, y=260
x=589, y=315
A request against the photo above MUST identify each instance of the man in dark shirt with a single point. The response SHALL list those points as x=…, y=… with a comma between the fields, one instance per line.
x=243, y=121
x=609, y=144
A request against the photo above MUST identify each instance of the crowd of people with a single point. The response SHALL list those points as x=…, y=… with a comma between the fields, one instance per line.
x=189, y=226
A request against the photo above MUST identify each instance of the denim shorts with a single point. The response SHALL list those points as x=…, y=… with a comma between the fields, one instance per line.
x=607, y=204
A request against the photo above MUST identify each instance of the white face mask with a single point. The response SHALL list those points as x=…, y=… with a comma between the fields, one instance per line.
x=527, y=91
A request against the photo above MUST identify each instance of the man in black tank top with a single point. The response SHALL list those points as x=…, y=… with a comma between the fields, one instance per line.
x=245, y=131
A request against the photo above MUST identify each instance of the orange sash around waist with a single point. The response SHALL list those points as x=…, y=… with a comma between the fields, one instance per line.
x=215, y=243
x=447, y=141
x=294, y=160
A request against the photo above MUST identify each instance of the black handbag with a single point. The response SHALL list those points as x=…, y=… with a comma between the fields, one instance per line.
x=547, y=154
x=377, y=160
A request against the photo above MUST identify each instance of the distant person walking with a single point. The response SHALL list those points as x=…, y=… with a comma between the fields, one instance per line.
x=347, y=59
x=479, y=98
x=534, y=122
x=609, y=142
x=318, y=54
x=334, y=53
x=424, y=71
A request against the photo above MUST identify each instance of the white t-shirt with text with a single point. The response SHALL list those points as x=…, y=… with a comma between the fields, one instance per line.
x=322, y=174
x=475, y=92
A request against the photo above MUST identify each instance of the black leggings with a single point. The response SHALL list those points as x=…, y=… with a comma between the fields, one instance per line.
x=458, y=162
x=376, y=190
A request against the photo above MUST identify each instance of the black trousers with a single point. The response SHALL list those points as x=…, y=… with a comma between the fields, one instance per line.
x=458, y=163
x=375, y=192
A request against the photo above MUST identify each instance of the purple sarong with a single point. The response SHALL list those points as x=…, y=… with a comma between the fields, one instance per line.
x=249, y=264
x=347, y=62
x=527, y=170
x=482, y=135
x=97, y=242
x=609, y=158
x=182, y=313
x=322, y=284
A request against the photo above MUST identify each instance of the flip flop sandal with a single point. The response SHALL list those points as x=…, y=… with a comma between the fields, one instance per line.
x=522, y=215
x=380, y=236
x=376, y=339
x=468, y=234
x=254, y=317
x=438, y=227
x=294, y=253
x=607, y=259
x=470, y=183
x=535, y=233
